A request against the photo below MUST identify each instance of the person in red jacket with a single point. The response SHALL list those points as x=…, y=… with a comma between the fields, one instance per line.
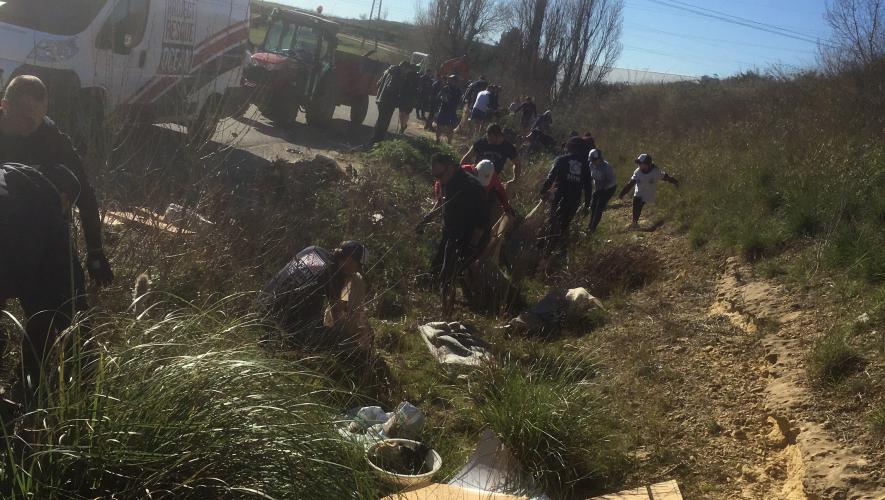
x=484, y=171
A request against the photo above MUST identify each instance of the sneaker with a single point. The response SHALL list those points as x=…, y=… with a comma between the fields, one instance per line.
x=634, y=226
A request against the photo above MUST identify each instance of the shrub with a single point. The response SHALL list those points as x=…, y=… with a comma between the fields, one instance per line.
x=554, y=422
x=832, y=358
x=187, y=407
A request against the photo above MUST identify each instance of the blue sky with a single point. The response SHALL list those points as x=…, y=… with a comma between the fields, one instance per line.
x=660, y=36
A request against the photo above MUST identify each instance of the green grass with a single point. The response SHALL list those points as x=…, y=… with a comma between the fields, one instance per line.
x=832, y=358
x=186, y=406
x=552, y=417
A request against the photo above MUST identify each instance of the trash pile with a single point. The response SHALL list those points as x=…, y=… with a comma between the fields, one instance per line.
x=454, y=344
x=371, y=423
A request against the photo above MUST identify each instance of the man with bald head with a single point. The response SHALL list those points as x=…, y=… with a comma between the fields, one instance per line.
x=29, y=137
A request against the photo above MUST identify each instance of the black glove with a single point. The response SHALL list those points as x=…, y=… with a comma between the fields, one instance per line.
x=419, y=229
x=585, y=211
x=99, y=268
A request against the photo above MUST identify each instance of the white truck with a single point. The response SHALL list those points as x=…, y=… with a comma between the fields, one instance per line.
x=175, y=61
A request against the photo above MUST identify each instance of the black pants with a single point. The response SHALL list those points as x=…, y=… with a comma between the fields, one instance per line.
x=452, y=256
x=597, y=205
x=385, y=114
x=638, y=203
x=39, y=267
x=558, y=228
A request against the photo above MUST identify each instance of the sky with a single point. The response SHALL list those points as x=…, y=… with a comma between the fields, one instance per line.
x=685, y=37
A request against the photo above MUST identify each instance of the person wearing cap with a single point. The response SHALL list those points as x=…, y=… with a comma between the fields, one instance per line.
x=571, y=176
x=484, y=172
x=447, y=114
x=645, y=181
x=604, y=184
x=295, y=297
x=464, y=210
x=495, y=147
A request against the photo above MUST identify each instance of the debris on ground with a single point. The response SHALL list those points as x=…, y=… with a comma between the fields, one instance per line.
x=144, y=218
x=370, y=424
x=187, y=218
x=557, y=307
x=454, y=344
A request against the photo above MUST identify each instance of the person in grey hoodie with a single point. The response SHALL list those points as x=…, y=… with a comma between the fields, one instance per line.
x=604, y=187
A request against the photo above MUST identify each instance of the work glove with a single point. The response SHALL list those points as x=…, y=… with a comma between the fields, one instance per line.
x=99, y=268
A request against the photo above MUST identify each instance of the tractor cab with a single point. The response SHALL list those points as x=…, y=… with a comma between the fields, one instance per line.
x=293, y=67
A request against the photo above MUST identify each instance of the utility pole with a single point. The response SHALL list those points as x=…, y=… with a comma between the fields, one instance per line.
x=377, y=18
x=371, y=11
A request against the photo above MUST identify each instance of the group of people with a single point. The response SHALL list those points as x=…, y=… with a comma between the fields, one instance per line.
x=470, y=195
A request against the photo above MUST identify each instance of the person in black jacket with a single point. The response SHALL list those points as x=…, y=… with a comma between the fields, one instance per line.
x=35, y=264
x=571, y=175
x=388, y=99
x=29, y=137
x=465, y=223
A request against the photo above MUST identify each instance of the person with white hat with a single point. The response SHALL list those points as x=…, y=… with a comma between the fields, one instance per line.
x=645, y=180
x=604, y=187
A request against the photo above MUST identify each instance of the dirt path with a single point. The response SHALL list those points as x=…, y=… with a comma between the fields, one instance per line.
x=711, y=360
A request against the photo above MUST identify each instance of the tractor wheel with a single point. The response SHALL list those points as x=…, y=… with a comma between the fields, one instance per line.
x=359, y=108
x=320, y=111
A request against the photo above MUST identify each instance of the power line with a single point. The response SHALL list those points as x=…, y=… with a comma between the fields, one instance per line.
x=738, y=21
x=723, y=41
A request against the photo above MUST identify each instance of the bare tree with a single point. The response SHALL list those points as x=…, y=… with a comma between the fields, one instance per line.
x=567, y=44
x=858, y=33
x=589, y=45
x=452, y=27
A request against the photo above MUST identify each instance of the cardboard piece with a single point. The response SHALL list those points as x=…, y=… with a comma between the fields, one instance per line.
x=449, y=492
x=668, y=490
x=144, y=218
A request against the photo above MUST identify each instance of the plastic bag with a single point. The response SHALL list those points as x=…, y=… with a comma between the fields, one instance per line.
x=407, y=422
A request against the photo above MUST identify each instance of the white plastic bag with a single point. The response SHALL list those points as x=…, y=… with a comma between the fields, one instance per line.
x=407, y=422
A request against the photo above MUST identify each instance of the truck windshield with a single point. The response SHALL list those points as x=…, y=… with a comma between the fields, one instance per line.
x=58, y=17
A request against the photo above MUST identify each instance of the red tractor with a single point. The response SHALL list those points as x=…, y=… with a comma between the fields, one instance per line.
x=298, y=67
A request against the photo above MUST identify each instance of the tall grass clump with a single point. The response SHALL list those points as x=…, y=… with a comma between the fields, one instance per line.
x=554, y=421
x=185, y=407
x=832, y=358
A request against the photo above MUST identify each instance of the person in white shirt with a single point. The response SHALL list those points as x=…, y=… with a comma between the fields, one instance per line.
x=604, y=185
x=645, y=180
